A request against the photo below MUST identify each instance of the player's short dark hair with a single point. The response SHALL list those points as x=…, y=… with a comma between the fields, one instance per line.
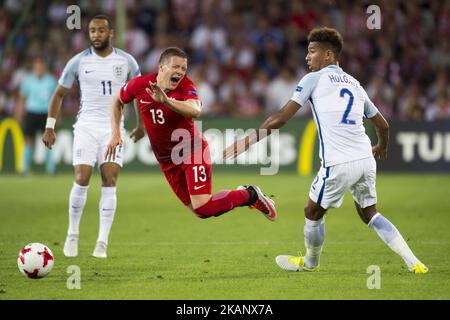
x=329, y=37
x=170, y=52
x=103, y=17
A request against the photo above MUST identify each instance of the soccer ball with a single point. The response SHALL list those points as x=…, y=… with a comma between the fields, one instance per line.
x=35, y=260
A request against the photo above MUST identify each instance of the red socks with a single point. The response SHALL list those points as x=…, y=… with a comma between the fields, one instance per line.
x=222, y=202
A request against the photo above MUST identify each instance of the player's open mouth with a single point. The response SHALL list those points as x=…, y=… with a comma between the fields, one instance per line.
x=174, y=80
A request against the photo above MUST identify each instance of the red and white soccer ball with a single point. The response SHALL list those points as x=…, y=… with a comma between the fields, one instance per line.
x=35, y=260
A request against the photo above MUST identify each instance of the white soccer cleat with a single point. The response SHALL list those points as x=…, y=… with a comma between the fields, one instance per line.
x=100, y=250
x=291, y=263
x=71, y=246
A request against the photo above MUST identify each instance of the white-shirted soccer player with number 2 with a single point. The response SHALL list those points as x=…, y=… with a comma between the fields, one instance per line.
x=339, y=104
x=101, y=71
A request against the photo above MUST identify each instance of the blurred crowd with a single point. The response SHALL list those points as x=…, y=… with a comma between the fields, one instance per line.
x=247, y=56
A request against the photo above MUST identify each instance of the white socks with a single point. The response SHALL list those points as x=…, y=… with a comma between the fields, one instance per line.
x=107, y=208
x=314, y=232
x=77, y=200
x=390, y=235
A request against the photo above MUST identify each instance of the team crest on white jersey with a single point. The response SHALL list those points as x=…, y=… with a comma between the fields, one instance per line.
x=118, y=71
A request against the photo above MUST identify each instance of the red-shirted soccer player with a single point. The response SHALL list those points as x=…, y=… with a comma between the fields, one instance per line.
x=168, y=101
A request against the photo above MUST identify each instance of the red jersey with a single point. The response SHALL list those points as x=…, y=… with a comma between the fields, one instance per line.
x=161, y=121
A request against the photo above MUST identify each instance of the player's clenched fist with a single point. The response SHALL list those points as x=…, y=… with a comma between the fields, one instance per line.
x=110, y=154
x=49, y=137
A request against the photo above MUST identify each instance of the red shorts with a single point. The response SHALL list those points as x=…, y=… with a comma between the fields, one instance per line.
x=191, y=177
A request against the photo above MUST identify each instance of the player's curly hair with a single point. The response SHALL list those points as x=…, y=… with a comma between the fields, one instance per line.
x=329, y=37
x=103, y=17
x=170, y=52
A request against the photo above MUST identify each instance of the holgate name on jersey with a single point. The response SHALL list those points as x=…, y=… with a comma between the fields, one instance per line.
x=339, y=78
x=227, y=309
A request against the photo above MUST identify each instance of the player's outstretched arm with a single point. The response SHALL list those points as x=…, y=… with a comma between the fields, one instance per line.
x=139, y=131
x=190, y=108
x=116, y=139
x=382, y=129
x=275, y=121
x=49, y=136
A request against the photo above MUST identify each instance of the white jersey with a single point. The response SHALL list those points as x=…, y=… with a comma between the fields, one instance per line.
x=100, y=78
x=339, y=104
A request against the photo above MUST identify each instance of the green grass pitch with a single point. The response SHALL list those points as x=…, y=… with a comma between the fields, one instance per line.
x=159, y=250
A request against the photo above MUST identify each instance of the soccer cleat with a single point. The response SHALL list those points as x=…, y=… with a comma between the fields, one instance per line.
x=419, y=268
x=71, y=246
x=100, y=250
x=263, y=203
x=291, y=263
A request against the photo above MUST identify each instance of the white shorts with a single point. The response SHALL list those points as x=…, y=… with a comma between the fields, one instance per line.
x=358, y=177
x=90, y=144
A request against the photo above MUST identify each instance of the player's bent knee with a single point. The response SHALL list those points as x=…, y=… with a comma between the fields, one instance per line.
x=202, y=216
x=306, y=210
x=368, y=213
x=82, y=175
x=310, y=212
x=82, y=180
x=201, y=213
x=314, y=212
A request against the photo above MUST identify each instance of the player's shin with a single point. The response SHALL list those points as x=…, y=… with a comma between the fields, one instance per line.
x=222, y=202
x=314, y=232
x=107, y=209
x=392, y=237
x=77, y=201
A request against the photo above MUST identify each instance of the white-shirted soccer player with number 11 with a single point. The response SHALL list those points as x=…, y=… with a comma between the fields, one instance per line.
x=339, y=104
x=101, y=71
